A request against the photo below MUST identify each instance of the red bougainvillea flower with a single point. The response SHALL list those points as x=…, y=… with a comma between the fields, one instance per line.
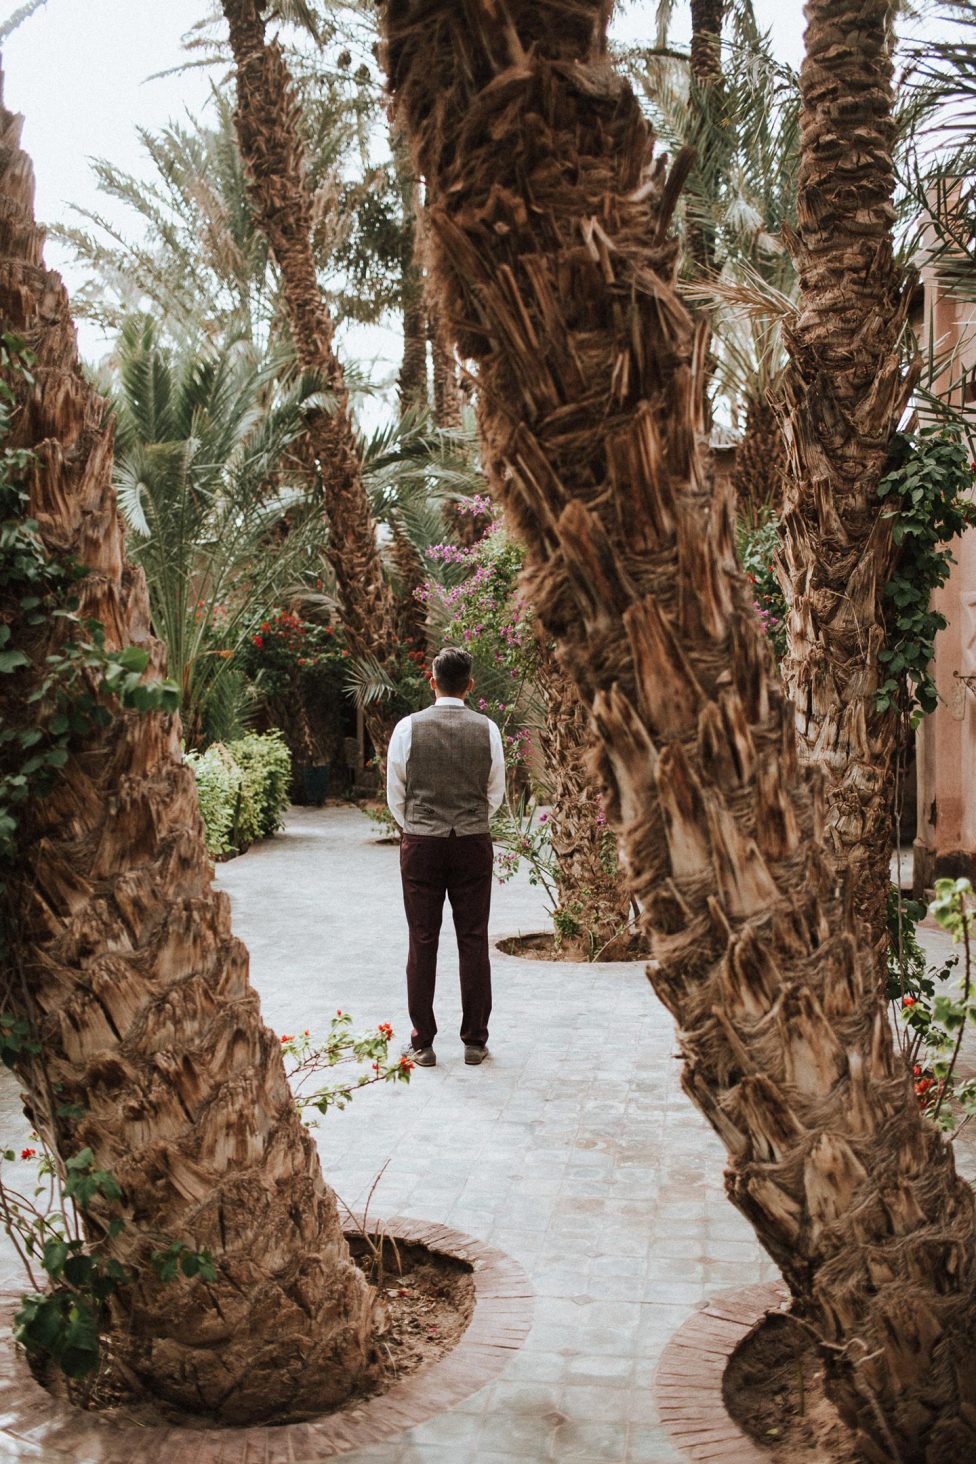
x=338, y=1011
x=305, y=1033
x=385, y=1030
x=257, y=640
x=27, y=1153
x=289, y=1039
x=909, y=1001
x=406, y=1064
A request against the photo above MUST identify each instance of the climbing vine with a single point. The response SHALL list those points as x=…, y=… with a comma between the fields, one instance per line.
x=928, y=487
x=52, y=699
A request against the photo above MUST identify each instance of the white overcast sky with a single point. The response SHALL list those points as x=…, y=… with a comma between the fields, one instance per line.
x=78, y=70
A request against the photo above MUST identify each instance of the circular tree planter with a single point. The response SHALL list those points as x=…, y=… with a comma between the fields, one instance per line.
x=33, y=1425
x=540, y=945
x=688, y=1382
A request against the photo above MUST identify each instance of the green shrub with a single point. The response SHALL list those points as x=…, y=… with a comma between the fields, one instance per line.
x=265, y=763
x=243, y=790
x=219, y=789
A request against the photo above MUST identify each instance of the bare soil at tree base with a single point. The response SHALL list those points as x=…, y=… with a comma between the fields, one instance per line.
x=428, y=1300
x=774, y=1390
x=543, y=946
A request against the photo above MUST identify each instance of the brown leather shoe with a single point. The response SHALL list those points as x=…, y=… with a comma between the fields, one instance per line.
x=474, y=1055
x=419, y=1056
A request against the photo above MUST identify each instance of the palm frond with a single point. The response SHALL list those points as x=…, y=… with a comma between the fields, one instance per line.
x=22, y=13
x=367, y=681
x=746, y=292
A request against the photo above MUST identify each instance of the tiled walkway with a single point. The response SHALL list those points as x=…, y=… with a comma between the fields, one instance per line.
x=573, y=1149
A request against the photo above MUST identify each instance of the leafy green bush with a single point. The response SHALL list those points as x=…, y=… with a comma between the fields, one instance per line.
x=265, y=762
x=243, y=790
x=928, y=490
x=219, y=789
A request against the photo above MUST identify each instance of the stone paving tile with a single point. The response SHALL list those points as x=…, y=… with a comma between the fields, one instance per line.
x=573, y=1148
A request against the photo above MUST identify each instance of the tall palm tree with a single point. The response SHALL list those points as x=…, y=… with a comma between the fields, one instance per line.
x=271, y=144
x=150, y=1032
x=556, y=266
x=741, y=190
x=590, y=884
x=706, y=103
x=846, y=389
x=199, y=442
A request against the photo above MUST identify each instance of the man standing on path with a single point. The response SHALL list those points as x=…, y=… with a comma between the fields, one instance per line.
x=445, y=778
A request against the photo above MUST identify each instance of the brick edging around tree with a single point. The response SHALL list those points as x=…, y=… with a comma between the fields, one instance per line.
x=688, y=1381
x=33, y=1425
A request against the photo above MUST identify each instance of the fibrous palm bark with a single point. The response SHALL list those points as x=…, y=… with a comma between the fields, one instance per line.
x=552, y=253
x=846, y=389
x=448, y=398
x=706, y=41
x=270, y=141
x=412, y=386
x=411, y=575
x=412, y=390
x=590, y=885
x=706, y=137
x=131, y=976
x=759, y=477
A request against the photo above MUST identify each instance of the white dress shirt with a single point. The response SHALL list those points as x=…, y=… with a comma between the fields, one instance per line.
x=399, y=751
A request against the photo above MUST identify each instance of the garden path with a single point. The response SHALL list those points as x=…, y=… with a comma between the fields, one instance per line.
x=573, y=1149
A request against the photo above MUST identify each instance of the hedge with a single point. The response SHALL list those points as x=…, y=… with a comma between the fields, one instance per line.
x=243, y=790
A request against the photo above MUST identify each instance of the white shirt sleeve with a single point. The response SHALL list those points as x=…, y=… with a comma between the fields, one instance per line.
x=396, y=769
x=496, y=778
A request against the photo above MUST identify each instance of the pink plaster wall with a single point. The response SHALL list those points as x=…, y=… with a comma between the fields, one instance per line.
x=946, y=837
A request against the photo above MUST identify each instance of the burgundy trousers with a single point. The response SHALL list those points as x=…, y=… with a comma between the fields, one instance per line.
x=460, y=867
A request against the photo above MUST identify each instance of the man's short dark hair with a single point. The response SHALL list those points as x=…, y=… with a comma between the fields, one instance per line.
x=452, y=670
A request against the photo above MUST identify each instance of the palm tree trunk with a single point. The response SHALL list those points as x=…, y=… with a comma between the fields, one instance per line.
x=412, y=390
x=129, y=972
x=271, y=146
x=554, y=261
x=289, y=713
x=846, y=390
x=411, y=576
x=760, y=462
x=589, y=881
x=448, y=396
x=412, y=385
x=706, y=95
x=706, y=41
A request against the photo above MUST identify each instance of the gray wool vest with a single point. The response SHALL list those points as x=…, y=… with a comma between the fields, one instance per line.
x=448, y=768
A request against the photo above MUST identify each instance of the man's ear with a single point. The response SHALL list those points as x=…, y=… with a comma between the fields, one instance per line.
x=470, y=687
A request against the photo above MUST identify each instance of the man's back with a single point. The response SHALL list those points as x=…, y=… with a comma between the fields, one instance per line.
x=448, y=768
